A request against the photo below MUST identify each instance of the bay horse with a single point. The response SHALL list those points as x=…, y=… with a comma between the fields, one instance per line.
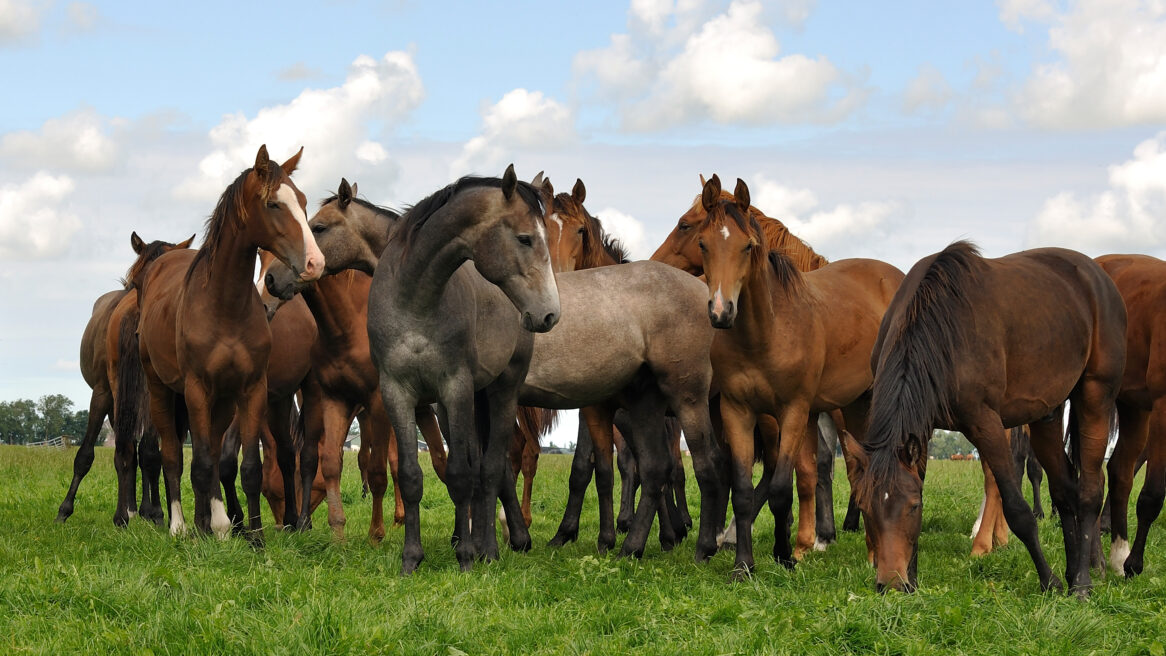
x=654, y=358
x=344, y=381
x=205, y=341
x=101, y=333
x=1141, y=405
x=782, y=352
x=980, y=345
x=681, y=250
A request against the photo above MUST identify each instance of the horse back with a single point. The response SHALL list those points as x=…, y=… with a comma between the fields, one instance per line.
x=1141, y=281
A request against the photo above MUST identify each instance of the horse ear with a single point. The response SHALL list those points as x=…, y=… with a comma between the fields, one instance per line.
x=344, y=194
x=857, y=460
x=579, y=191
x=354, y=190
x=184, y=244
x=702, y=180
x=711, y=193
x=262, y=161
x=509, y=182
x=548, y=189
x=137, y=243
x=741, y=195
x=292, y=162
x=538, y=180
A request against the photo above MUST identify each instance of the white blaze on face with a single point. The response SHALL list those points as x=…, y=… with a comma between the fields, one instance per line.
x=725, y=232
x=177, y=521
x=313, y=258
x=220, y=523
x=1118, y=552
x=718, y=301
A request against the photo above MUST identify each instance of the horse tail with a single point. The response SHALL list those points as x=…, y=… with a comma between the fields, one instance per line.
x=131, y=409
x=536, y=423
x=914, y=363
x=1073, y=441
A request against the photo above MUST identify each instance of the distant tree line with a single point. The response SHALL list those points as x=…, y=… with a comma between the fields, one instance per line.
x=944, y=444
x=24, y=420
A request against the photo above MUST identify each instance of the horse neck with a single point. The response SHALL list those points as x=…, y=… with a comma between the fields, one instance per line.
x=337, y=318
x=442, y=246
x=229, y=279
x=764, y=307
x=374, y=228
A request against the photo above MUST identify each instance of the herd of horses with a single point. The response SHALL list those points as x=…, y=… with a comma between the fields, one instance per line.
x=482, y=310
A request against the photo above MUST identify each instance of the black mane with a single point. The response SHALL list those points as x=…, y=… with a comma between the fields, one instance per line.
x=383, y=210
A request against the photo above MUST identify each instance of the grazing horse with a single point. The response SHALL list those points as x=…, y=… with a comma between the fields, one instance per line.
x=980, y=345
x=615, y=342
x=205, y=341
x=1141, y=405
x=100, y=334
x=680, y=249
x=783, y=352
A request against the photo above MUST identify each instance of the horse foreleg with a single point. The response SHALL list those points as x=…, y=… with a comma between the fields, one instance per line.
x=337, y=416
x=824, y=492
x=377, y=431
x=599, y=421
x=807, y=483
x=228, y=474
x=431, y=433
x=794, y=424
x=582, y=464
x=530, y=454
x=629, y=478
x=252, y=414
x=991, y=513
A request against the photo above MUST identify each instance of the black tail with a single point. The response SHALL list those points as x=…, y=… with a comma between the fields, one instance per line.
x=131, y=402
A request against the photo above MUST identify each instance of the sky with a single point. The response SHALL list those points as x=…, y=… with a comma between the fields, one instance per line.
x=882, y=130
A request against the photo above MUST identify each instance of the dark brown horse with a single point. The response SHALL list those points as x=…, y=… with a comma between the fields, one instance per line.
x=681, y=250
x=100, y=373
x=980, y=345
x=783, y=353
x=1141, y=405
x=205, y=341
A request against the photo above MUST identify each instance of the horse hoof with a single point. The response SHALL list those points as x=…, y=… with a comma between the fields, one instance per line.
x=409, y=565
x=521, y=547
x=256, y=540
x=623, y=526
x=668, y=545
x=561, y=539
x=785, y=561
x=1133, y=567
x=631, y=553
x=1053, y=585
x=740, y=573
x=120, y=520
x=63, y=513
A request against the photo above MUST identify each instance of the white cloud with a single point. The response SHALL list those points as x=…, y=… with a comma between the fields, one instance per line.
x=66, y=365
x=628, y=230
x=19, y=21
x=928, y=90
x=800, y=211
x=34, y=220
x=1110, y=68
x=76, y=141
x=331, y=124
x=1014, y=12
x=1129, y=216
x=726, y=69
x=520, y=120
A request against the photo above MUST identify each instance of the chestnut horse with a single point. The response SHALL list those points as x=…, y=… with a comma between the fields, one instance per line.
x=680, y=250
x=782, y=352
x=101, y=334
x=980, y=345
x=1141, y=405
x=205, y=341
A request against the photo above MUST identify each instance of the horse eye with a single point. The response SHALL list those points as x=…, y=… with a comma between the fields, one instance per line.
x=580, y=230
x=272, y=205
x=701, y=244
x=525, y=240
x=319, y=228
x=683, y=227
x=748, y=247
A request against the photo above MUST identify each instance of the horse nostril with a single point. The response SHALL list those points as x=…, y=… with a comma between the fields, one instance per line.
x=269, y=280
x=880, y=588
x=550, y=319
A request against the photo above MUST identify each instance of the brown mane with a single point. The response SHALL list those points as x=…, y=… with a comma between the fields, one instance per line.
x=776, y=236
x=230, y=211
x=599, y=248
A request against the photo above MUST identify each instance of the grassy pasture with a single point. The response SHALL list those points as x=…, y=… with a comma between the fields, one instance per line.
x=86, y=587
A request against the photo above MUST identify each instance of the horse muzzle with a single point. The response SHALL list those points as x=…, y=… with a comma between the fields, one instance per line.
x=539, y=325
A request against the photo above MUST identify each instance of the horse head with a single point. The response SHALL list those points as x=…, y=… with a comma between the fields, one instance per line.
x=730, y=246
x=275, y=218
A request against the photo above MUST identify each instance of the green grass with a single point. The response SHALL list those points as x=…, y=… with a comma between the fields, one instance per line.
x=86, y=587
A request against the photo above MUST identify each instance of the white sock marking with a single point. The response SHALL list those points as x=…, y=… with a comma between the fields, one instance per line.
x=505, y=526
x=177, y=521
x=1118, y=552
x=819, y=545
x=220, y=523
x=729, y=535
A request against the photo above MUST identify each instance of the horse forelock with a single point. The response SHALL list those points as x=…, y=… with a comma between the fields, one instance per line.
x=914, y=380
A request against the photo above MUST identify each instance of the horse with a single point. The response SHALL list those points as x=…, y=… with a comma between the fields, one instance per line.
x=344, y=381
x=205, y=342
x=1141, y=406
x=782, y=353
x=980, y=345
x=578, y=242
x=990, y=529
x=652, y=359
x=680, y=249
x=101, y=378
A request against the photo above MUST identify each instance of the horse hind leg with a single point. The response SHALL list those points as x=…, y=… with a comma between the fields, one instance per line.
x=228, y=474
x=100, y=406
x=582, y=466
x=1133, y=424
x=824, y=492
x=150, y=461
x=1153, y=489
